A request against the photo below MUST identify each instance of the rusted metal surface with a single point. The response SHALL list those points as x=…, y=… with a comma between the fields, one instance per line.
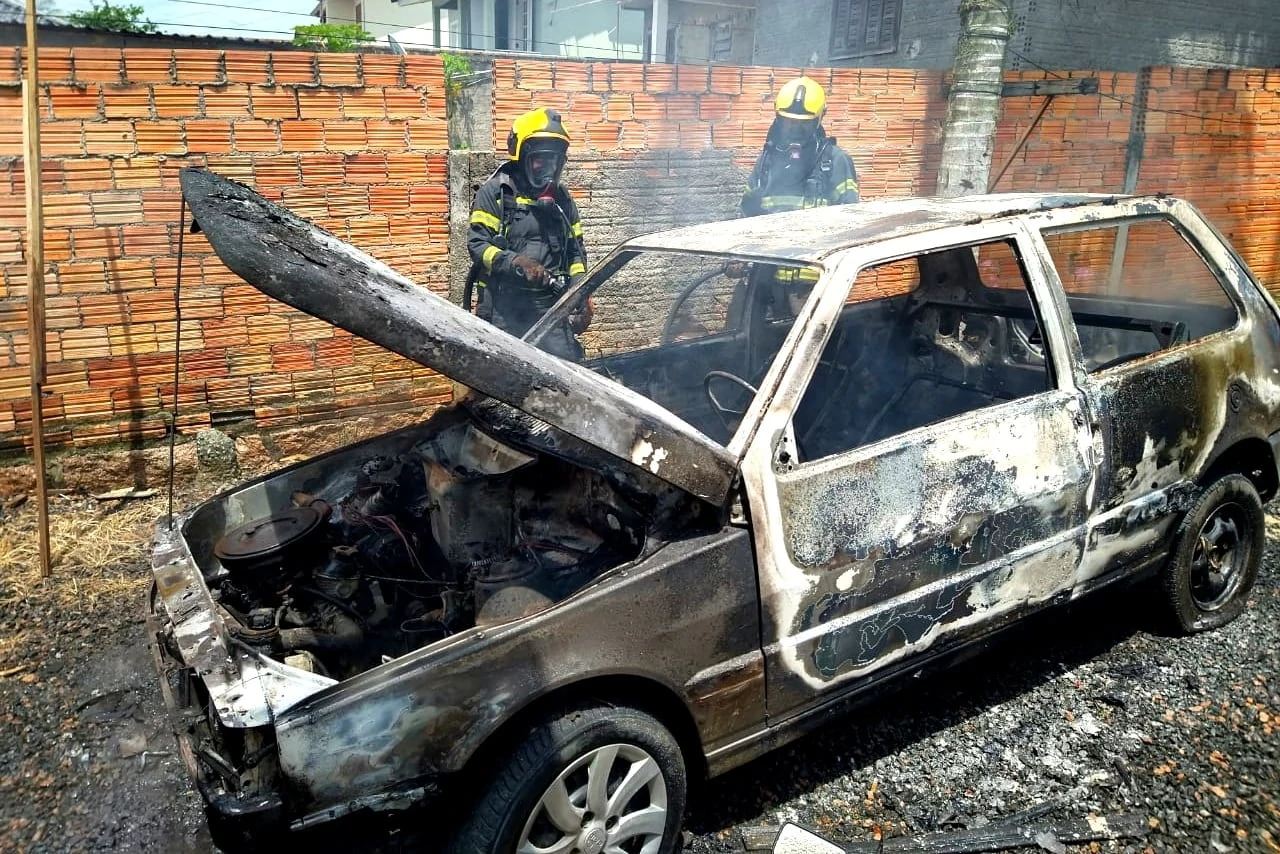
x=306, y=267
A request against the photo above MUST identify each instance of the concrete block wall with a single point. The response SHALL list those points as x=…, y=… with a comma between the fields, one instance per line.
x=358, y=144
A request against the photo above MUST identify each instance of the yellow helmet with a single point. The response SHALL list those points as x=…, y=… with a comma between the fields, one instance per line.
x=802, y=99
x=536, y=124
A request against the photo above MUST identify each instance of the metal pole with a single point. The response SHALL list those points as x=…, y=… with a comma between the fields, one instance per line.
x=35, y=277
x=1048, y=99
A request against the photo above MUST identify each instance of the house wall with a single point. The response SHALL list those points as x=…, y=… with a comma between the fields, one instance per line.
x=798, y=32
x=1116, y=35
x=601, y=30
x=695, y=24
x=357, y=143
x=411, y=24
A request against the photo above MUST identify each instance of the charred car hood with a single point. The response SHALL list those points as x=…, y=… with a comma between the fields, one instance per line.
x=306, y=267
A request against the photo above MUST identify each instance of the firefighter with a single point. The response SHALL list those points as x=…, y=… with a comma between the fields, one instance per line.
x=800, y=166
x=525, y=238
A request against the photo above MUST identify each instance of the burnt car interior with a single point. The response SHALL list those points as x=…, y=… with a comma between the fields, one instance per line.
x=478, y=516
x=920, y=339
x=1135, y=288
x=934, y=341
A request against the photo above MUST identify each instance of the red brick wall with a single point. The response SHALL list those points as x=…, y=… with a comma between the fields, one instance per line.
x=889, y=121
x=356, y=143
x=1212, y=137
x=1218, y=144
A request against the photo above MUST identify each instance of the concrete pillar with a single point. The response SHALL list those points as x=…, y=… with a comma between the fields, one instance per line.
x=471, y=159
x=658, y=32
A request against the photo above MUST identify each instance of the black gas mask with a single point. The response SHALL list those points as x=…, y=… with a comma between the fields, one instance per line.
x=794, y=137
x=542, y=161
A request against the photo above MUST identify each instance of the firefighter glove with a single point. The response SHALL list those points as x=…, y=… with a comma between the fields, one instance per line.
x=580, y=319
x=532, y=272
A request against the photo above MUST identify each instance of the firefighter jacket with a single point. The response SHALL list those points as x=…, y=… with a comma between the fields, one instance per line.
x=777, y=185
x=506, y=222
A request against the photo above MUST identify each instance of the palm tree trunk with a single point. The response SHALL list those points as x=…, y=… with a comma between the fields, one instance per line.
x=968, y=138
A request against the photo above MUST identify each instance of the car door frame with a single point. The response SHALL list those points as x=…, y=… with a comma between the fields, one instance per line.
x=781, y=596
x=1137, y=506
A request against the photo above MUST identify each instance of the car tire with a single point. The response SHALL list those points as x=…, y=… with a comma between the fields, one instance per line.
x=545, y=792
x=1219, y=546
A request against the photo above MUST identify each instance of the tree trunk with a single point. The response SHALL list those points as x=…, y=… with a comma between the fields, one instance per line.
x=968, y=138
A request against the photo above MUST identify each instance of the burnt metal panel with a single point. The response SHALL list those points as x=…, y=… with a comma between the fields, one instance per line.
x=811, y=235
x=685, y=620
x=308, y=268
x=925, y=539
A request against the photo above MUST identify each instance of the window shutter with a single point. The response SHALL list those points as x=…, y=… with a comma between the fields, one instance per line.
x=864, y=27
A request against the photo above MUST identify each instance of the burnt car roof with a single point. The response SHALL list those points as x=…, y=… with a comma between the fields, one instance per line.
x=811, y=235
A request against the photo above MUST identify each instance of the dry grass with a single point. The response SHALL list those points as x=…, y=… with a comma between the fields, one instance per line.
x=98, y=551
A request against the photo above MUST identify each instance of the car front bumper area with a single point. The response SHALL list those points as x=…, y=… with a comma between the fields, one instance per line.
x=231, y=778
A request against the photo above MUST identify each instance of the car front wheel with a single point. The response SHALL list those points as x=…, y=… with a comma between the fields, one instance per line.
x=591, y=780
x=1219, y=546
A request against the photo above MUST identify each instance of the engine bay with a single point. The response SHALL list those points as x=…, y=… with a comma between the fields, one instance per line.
x=368, y=554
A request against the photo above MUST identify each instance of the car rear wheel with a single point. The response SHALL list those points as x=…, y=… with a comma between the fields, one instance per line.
x=591, y=780
x=1219, y=545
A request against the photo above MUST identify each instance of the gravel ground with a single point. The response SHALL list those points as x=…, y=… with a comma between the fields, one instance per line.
x=1092, y=711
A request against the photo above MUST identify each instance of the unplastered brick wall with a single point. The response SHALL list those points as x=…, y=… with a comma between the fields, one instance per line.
x=656, y=146
x=355, y=143
x=1211, y=136
x=662, y=145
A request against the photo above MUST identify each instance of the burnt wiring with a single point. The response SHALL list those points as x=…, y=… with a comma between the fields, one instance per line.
x=391, y=525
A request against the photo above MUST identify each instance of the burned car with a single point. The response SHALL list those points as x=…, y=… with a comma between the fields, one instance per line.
x=804, y=454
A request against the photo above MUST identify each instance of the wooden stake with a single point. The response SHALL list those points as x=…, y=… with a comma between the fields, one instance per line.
x=35, y=277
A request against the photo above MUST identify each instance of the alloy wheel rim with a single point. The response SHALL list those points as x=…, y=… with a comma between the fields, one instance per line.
x=612, y=800
x=1217, y=564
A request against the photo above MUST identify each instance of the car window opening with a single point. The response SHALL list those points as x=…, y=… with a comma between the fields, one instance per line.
x=1136, y=288
x=922, y=339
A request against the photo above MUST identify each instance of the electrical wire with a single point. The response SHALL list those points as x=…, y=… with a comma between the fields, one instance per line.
x=1128, y=102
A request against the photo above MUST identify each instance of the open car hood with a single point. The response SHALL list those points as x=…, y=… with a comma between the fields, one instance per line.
x=306, y=267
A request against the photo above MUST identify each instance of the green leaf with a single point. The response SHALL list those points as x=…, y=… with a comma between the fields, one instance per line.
x=335, y=38
x=121, y=19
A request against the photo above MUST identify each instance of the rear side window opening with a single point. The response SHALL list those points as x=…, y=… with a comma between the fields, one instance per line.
x=1137, y=287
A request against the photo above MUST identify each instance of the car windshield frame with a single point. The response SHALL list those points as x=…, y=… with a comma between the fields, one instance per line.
x=618, y=260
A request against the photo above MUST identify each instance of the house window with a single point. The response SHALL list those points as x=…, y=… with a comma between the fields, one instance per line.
x=359, y=15
x=864, y=27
